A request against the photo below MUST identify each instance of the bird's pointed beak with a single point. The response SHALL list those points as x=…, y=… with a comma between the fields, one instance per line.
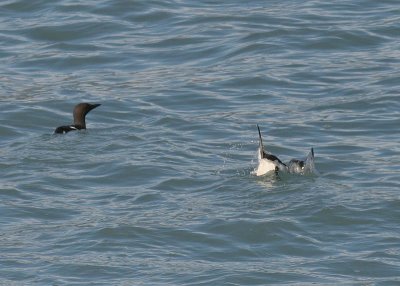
x=93, y=106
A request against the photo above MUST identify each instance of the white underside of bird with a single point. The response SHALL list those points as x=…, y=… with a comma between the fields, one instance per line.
x=264, y=166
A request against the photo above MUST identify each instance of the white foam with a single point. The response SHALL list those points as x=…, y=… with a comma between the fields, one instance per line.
x=309, y=166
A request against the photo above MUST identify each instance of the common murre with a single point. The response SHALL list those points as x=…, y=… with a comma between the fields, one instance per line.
x=305, y=166
x=266, y=161
x=80, y=111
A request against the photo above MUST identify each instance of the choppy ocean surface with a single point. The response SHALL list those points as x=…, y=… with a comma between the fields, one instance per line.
x=160, y=190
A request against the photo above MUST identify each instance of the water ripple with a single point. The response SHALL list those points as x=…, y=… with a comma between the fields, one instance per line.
x=159, y=189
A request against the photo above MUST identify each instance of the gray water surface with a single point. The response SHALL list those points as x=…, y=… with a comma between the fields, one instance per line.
x=159, y=190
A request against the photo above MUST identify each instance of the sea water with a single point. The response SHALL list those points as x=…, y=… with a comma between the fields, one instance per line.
x=160, y=189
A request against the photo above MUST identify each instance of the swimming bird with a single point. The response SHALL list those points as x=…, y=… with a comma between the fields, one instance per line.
x=80, y=112
x=266, y=161
x=305, y=166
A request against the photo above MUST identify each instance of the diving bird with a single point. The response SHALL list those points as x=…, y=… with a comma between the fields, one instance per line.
x=305, y=166
x=80, y=112
x=266, y=161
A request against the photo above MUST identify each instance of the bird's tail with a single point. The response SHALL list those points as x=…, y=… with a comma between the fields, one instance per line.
x=261, y=145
